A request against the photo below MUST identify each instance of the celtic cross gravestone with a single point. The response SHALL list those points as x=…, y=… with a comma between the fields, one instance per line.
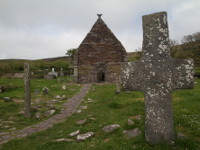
x=157, y=75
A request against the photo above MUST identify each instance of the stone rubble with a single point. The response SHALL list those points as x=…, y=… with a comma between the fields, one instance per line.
x=49, y=113
x=21, y=112
x=82, y=137
x=60, y=97
x=180, y=135
x=79, y=111
x=12, y=129
x=75, y=133
x=8, y=122
x=110, y=128
x=132, y=133
x=69, y=108
x=45, y=91
x=64, y=139
x=63, y=87
x=84, y=107
x=81, y=122
x=2, y=88
x=7, y=99
x=130, y=122
x=38, y=115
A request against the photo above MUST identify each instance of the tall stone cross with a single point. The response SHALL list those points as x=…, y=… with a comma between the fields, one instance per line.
x=157, y=75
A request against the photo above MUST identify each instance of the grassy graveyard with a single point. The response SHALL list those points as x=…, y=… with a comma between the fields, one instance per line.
x=105, y=108
x=11, y=113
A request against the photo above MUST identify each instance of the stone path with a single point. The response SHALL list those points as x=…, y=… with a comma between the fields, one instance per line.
x=69, y=108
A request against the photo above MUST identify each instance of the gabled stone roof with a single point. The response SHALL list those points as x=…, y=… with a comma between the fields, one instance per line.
x=100, y=42
x=100, y=33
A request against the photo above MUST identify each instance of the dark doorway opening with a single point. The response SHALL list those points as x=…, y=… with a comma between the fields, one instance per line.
x=101, y=77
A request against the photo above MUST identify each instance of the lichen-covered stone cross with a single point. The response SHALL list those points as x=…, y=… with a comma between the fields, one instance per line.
x=157, y=75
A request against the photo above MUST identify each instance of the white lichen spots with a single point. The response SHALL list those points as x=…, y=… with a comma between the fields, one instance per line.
x=129, y=63
x=151, y=93
x=180, y=84
x=150, y=65
x=149, y=44
x=189, y=72
x=162, y=30
x=162, y=46
x=185, y=72
x=147, y=53
x=190, y=62
x=159, y=24
x=169, y=82
x=164, y=18
x=150, y=28
x=152, y=73
x=126, y=73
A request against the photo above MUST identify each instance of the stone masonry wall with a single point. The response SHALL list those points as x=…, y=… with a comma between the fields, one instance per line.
x=88, y=73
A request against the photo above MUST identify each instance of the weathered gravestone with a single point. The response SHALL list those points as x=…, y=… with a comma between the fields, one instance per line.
x=53, y=73
x=61, y=72
x=27, y=94
x=157, y=75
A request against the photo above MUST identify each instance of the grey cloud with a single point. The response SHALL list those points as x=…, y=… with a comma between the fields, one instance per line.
x=46, y=28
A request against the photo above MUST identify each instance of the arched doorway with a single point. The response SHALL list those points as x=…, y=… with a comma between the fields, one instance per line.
x=101, y=76
x=100, y=73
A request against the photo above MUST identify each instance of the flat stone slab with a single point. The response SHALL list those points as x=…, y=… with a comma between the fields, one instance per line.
x=82, y=137
x=79, y=111
x=81, y=122
x=75, y=133
x=132, y=133
x=7, y=99
x=180, y=135
x=49, y=113
x=130, y=122
x=64, y=139
x=111, y=128
x=84, y=107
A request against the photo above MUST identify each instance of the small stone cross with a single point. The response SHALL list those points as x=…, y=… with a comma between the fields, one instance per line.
x=157, y=75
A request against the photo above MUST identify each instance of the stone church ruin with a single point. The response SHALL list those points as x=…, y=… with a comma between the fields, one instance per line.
x=99, y=56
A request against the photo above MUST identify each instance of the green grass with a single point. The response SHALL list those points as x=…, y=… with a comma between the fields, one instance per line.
x=109, y=108
x=9, y=111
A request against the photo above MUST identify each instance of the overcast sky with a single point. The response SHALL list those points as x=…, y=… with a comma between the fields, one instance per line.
x=33, y=29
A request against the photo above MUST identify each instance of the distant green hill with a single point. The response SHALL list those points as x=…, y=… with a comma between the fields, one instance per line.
x=16, y=65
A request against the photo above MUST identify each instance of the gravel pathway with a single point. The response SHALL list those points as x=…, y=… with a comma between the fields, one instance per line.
x=69, y=108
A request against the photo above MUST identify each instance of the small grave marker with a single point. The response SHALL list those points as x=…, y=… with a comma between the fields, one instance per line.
x=53, y=73
x=61, y=72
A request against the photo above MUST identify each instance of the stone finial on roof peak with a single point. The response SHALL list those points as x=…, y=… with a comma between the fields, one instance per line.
x=99, y=15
